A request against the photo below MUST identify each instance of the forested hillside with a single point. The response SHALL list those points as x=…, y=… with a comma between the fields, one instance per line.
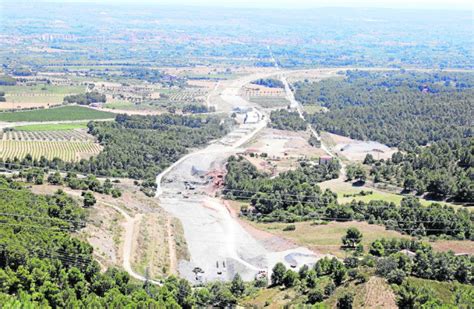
x=43, y=266
x=397, y=108
x=443, y=170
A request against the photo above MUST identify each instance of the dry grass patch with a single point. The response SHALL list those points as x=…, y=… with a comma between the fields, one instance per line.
x=326, y=238
x=271, y=298
x=151, y=246
x=457, y=246
x=375, y=293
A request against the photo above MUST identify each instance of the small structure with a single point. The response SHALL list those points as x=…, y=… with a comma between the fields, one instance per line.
x=408, y=253
x=251, y=117
x=241, y=110
x=325, y=159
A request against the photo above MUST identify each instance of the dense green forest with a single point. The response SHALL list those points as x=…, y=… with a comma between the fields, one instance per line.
x=269, y=82
x=443, y=170
x=294, y=196
x=396, y=108
x=283, y=119
x=288, y=197
x=138, y=147
x=85, y=98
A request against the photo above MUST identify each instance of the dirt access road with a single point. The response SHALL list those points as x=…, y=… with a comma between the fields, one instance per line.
x=218, y=244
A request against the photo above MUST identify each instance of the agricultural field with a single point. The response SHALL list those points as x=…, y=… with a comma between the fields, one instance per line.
x=326, y=238
x=47, y=136
x=63, y=113
x=269, y=101
x=67, y=151
x=53, y=127
x=41, y=95
x=185, y=95
x=122, y=104
x=159, y=99
x=69, y=145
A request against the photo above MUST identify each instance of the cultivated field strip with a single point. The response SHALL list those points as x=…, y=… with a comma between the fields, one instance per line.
x=188, y=95
x=65, y=150
x=57, y=136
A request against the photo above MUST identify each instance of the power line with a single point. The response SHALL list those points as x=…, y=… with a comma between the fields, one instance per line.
x=50, y=228
x=42, y=218
x=232, y=190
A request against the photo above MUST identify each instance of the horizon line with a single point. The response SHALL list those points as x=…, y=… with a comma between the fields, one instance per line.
x=233, y=6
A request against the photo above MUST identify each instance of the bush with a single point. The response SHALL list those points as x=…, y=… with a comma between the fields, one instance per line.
x=315, y=295
x=261, y=283
x=290, y=227
x=329, y=289
x=345, y=301
x=396, y=276
x=290, y=278
x=278, y=273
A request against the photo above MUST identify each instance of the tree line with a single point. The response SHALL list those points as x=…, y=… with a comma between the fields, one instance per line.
x=85, y=98
x=6, y=80
x=290, y=196
x=269, y=82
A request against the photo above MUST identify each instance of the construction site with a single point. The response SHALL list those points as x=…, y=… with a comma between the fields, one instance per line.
x=219, y=244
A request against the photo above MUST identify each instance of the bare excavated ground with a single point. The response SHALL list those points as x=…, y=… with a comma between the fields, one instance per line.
x=218, y=243
x=283, y=149
x=156, y=245
x=270, y=241
x=355, y=150
x=314, y=75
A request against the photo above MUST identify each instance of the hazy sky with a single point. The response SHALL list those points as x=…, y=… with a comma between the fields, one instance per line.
x=426, y=4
